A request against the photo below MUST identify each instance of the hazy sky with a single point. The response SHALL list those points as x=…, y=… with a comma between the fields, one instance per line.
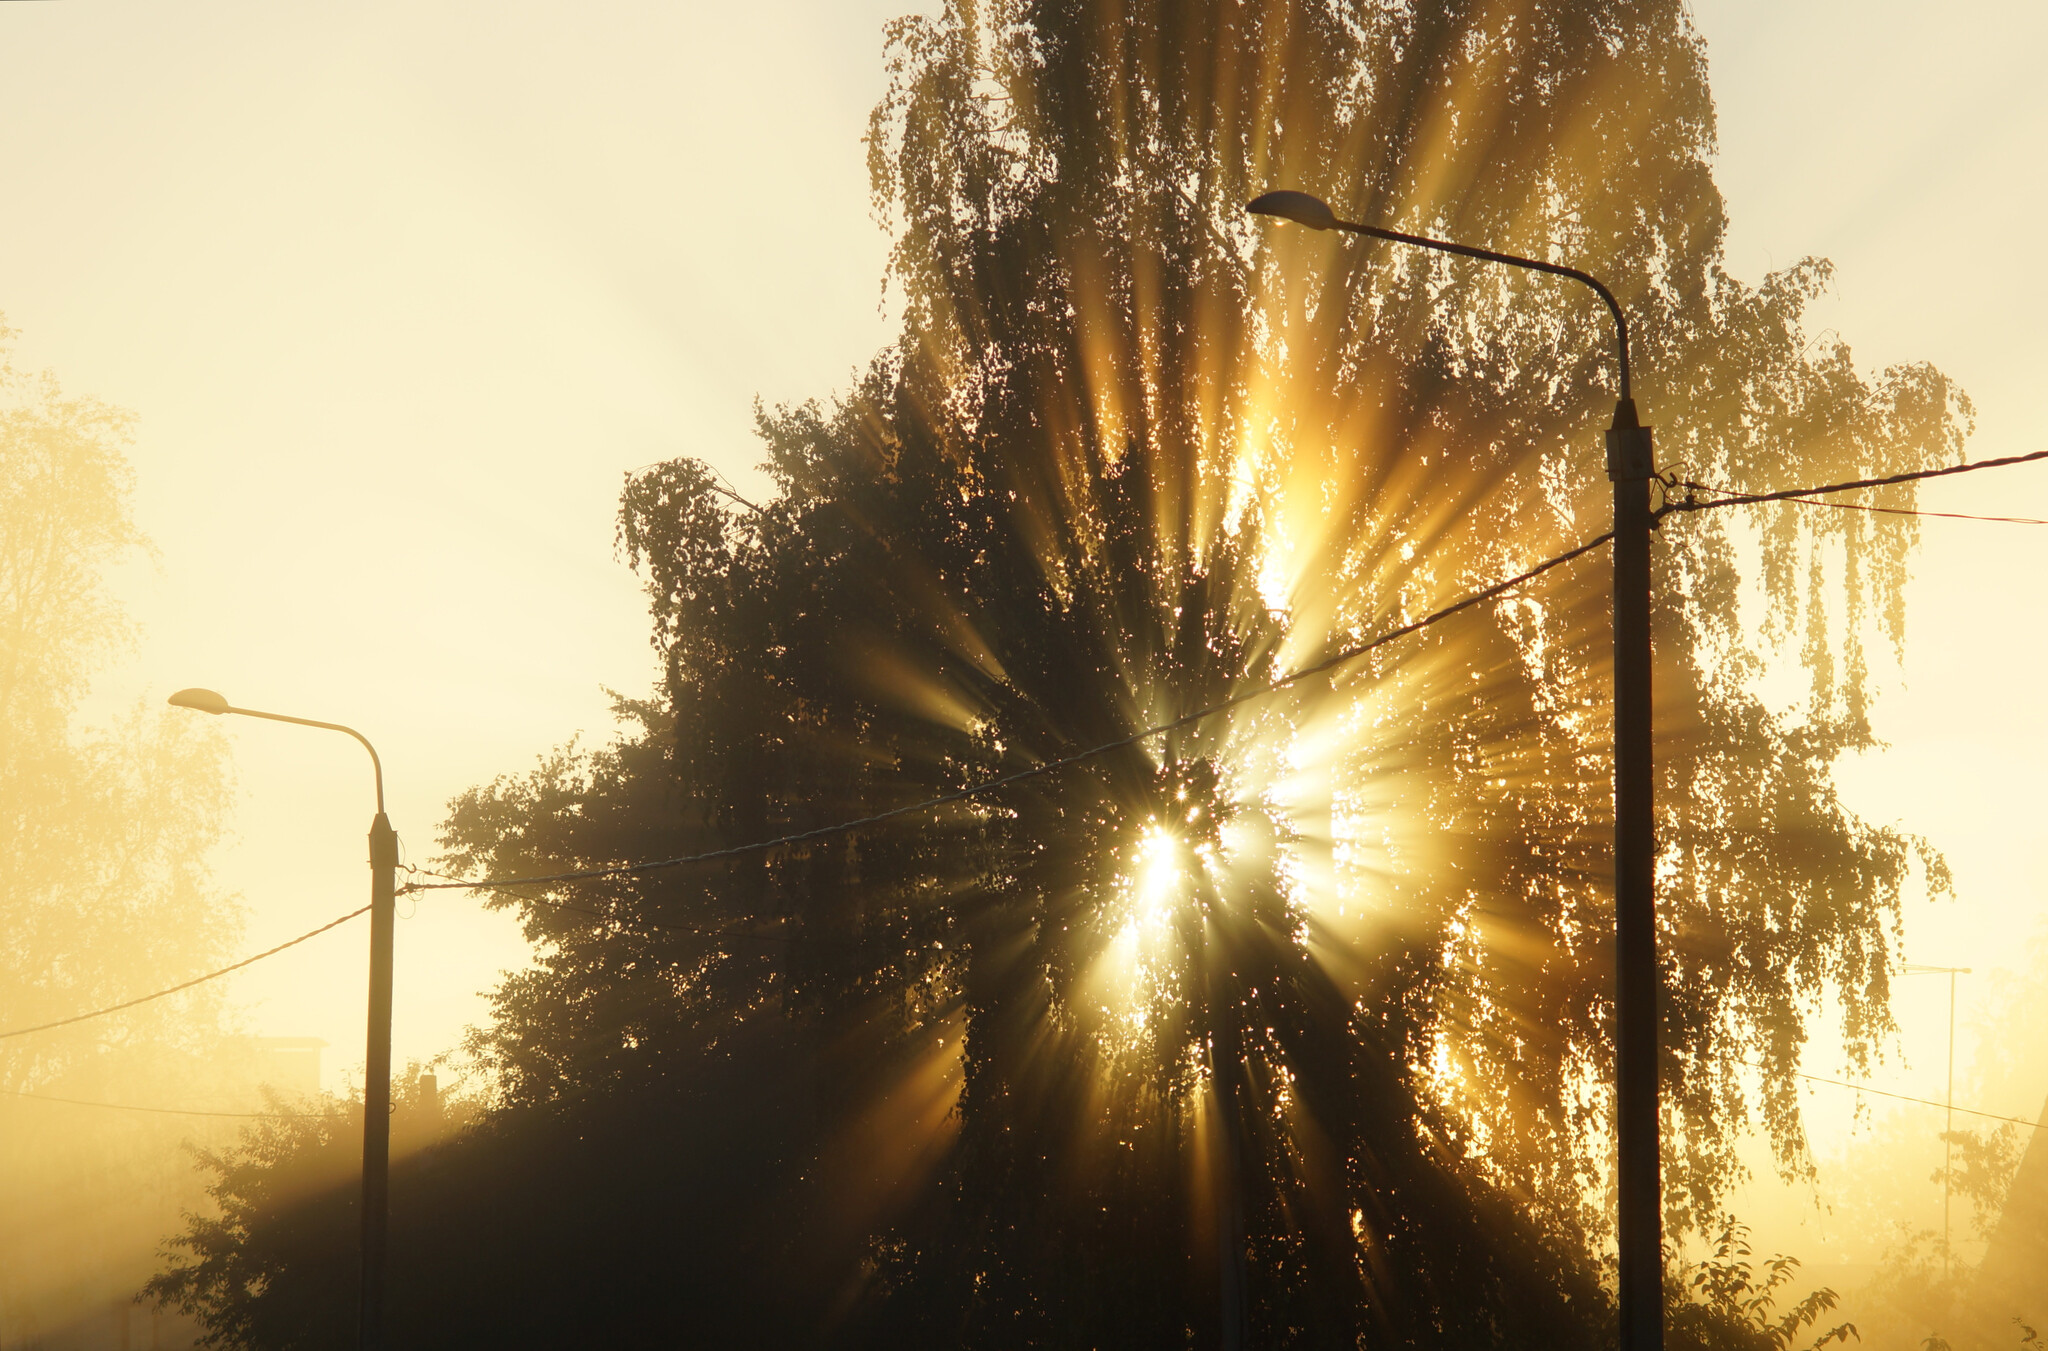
x=401, y=292
x=1902, y=141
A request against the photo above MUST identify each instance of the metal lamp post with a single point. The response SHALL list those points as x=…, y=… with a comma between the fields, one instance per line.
x=1631, y=465
x=377, y=1055
x=1948, y=1124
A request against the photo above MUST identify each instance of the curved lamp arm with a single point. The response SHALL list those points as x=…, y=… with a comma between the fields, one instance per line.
x=1303, y=209
x=207, y=701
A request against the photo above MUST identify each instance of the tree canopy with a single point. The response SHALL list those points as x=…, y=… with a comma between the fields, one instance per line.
x=1296, y=1015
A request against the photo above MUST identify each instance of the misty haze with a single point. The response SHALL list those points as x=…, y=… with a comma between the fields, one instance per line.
x=1023, y=675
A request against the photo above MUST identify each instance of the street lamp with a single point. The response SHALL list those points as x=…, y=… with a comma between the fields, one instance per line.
x=1948, y=1126
x=1631, y=466
x=377, y=1057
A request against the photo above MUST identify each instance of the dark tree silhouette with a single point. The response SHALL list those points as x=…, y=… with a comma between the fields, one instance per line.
x=1295, y=1018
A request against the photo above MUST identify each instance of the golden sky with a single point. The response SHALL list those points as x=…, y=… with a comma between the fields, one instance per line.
x=400, y=293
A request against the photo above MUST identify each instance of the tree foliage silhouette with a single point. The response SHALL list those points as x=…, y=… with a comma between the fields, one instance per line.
x=1299, y=1015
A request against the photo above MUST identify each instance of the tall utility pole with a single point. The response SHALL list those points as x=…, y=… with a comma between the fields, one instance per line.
x=1639, y=1219
x=377, y=1080
x=377, y=1051
x=1948, y=1124
x=1631, y=465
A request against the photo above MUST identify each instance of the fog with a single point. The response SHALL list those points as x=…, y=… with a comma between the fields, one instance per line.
x=357, y=323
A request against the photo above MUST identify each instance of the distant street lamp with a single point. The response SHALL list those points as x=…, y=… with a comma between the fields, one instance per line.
x=1630, y=464
x=1948, y=1125
x=377, y=1056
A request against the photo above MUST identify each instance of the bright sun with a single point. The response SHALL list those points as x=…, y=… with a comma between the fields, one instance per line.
x=1158, y=876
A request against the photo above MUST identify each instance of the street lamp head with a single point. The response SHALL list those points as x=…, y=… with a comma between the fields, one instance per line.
x=206, y=701
x=1298, y=207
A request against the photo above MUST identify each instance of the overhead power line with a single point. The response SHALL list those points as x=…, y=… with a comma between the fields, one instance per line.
x=959, y=795
x=1050, y=766
x=1865, y=506
x=1907, y=1097
x=1794, y=494
x=186, y=985
x=1004, y=781
x=176, y=1111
